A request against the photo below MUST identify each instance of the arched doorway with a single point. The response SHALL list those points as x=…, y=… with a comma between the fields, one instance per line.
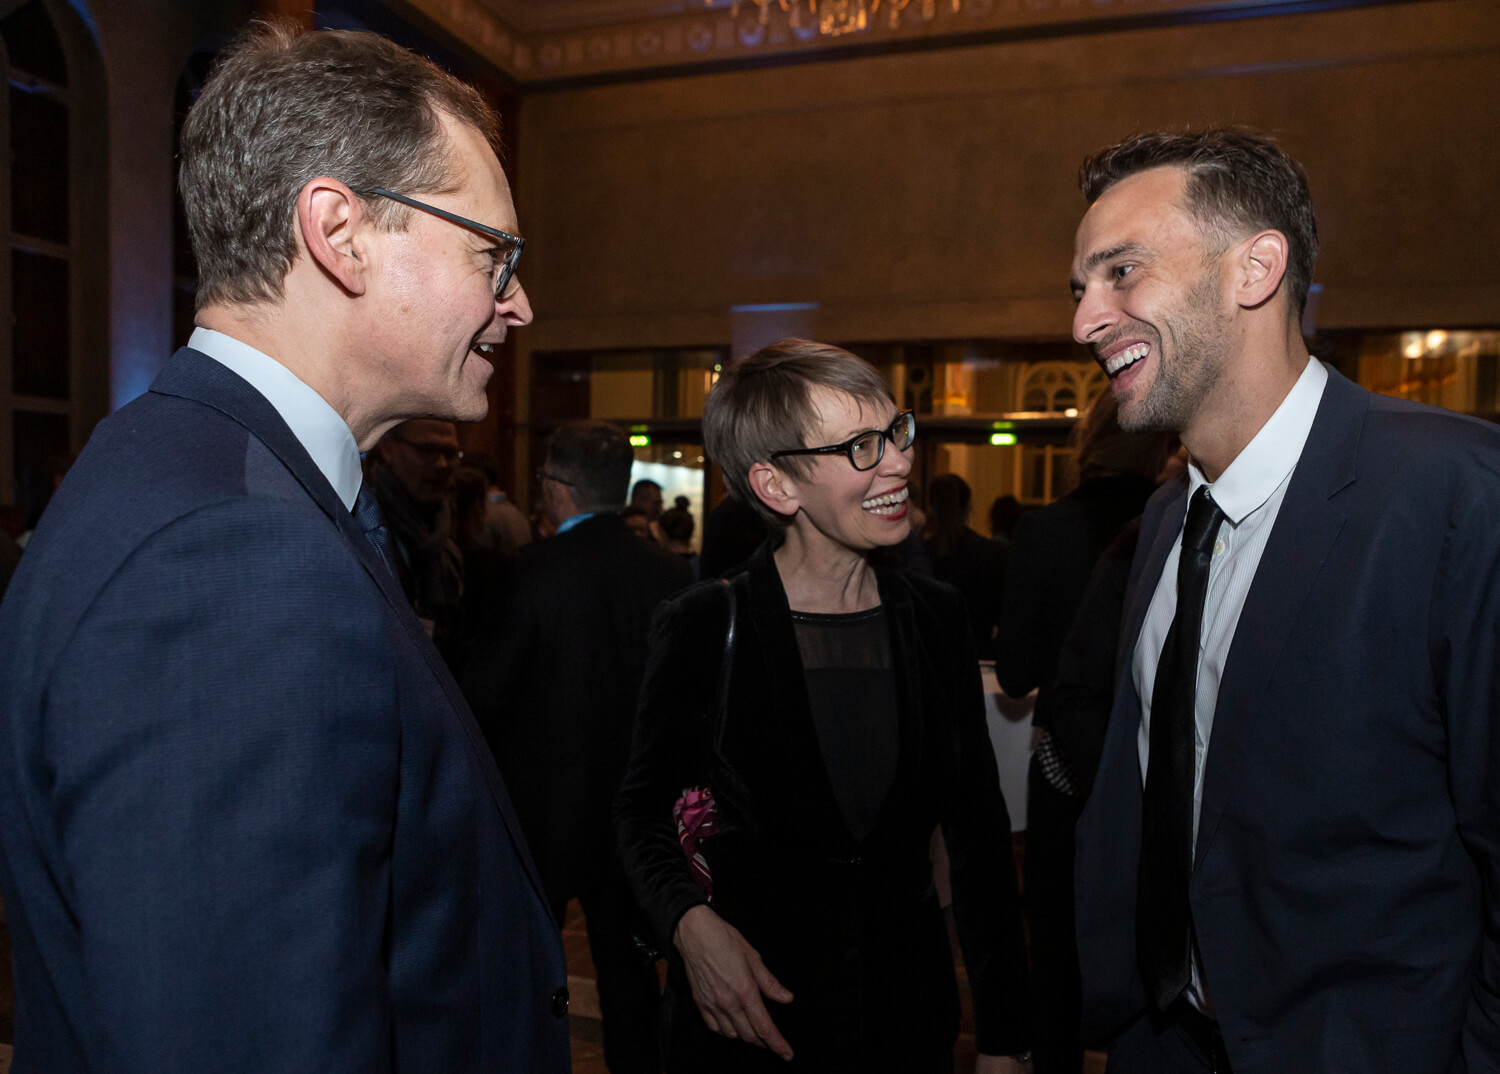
x=54, y=359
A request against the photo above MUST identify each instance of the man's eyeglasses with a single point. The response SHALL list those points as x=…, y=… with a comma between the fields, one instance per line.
x=542, y=476
x=510, y=246
x=867, y=449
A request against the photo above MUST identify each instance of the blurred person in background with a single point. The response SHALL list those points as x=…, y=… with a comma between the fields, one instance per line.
x=554, y=691
x=484, y=579
x=413, y=465
x=1053, y=550
x=505, y=527
x=970, y=563
x=852, y=726
x=637, y=521
x=1003, y=514
x=677, y=530
x=647, y=496
x=731, y=534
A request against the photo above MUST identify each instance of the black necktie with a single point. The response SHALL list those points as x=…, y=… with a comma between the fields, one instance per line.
x=367, y=516
x=1164, y=926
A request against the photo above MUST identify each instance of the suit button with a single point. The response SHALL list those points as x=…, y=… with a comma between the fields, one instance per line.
x=560, y=1001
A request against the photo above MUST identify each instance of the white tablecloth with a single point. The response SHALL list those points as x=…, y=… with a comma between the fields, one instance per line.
x=1010, y=735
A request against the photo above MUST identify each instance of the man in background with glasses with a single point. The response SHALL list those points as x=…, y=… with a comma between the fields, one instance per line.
x=246, y=819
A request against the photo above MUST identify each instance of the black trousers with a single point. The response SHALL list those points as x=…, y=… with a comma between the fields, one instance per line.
x=629, y=996
x=1051, y=819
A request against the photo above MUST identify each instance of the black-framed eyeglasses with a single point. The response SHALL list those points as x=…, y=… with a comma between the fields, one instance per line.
x=510, y=245
x=543, y=476
x=867, y=449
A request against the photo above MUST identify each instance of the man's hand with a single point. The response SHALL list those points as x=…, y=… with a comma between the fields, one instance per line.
x=728, y=978
x=1000, y=1064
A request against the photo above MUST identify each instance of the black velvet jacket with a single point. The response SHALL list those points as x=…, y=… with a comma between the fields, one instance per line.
x=854, y=929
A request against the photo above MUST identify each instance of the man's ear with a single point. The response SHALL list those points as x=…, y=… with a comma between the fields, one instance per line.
x=1259, y=269
x=335, y=229
x=776, y=489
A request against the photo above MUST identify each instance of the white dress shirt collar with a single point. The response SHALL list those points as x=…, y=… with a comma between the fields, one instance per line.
x=1259, y=469
x=315, y=424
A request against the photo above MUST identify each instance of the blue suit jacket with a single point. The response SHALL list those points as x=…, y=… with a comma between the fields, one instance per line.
x=1346, y=885
x=246, y=819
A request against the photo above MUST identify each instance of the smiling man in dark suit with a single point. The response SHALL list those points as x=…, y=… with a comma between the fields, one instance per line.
x=247, y=820
x=1289, y=859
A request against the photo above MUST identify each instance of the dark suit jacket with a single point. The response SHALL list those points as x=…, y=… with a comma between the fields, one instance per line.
x=731, y=534
x=852, y=928
x=1075, y=708
x=975, y=566
x=247, y=821
x=1052, y=552
x=1345, y=891
x=555, y=690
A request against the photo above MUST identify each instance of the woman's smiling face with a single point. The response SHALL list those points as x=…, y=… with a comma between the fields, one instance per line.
x=859, y=509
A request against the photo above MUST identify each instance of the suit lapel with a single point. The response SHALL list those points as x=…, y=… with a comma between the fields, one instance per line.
x=193, y=375
x=1307, y=525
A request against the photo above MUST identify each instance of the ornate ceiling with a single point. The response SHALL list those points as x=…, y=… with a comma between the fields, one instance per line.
x=549, y=41
x=540, y=16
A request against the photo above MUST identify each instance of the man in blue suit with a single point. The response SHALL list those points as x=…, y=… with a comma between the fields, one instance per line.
x=1289, y=859
x=247, y=820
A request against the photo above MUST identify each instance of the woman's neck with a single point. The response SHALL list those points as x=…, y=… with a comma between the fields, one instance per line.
x=823, y=576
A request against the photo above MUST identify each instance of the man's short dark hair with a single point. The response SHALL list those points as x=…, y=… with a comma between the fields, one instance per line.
x=642, y=484
x=282, y=108
x=1239, y=182
x=595, y=457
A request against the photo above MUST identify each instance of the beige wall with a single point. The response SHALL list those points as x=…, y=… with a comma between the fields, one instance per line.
x=932, y=194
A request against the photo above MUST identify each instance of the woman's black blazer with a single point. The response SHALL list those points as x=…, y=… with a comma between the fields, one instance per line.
x=852, y=928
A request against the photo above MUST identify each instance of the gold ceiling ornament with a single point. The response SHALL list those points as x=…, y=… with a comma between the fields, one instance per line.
x=835, y=18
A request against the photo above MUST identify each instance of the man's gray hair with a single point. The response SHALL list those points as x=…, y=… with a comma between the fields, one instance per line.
x=282, y=108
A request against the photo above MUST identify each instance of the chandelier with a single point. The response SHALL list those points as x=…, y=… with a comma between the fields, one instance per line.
x=837, y=17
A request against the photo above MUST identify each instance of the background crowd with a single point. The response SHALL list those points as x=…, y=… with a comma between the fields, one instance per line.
x=545, y=620
x=310, y=738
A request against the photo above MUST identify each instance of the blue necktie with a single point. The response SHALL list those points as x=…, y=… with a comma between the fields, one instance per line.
x=367, y=516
